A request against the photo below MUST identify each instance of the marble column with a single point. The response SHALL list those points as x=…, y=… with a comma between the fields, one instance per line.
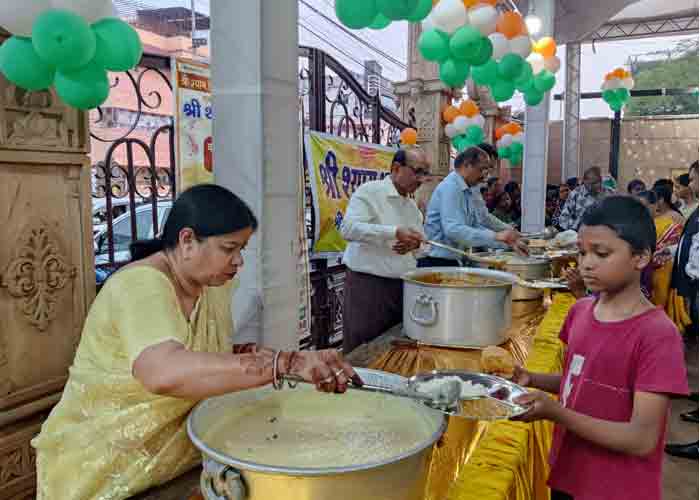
x=256, y=144
x=534, y=187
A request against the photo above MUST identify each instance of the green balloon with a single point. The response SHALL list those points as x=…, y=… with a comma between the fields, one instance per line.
x=118, y=44
x=397, y=10
x=63, y=39
x=454, y=73
x=623, y=94
x=516, y=159
x=504, y=153
x=421, y=11
x=486, y=74
x=609, y=96
x=545, y=80
x=475, y=135
x=465, y=43
x=434, y=45
x=484, y=54
x=22, y=66
x=502, y=90
x=617, y=105
x=85, y=88
x=380, y=22
x=356, y=14
x=533, y=97
x=524, y=80
x=516, y=148
x=511, y=66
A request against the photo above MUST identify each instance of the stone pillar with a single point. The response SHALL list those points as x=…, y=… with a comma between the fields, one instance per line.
x=423, y=97
x=571, y=134
x=256, y=145
x=536, y=142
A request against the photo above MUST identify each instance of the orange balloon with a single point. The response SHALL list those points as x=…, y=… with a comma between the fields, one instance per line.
x=511, y=128
x=471, y=3
x=510, y=24
x=450, y=113
x=409, y=136
x=546, y=46
x=500, y=133
x=619, y=73
x=490, y=2
x=468, y=108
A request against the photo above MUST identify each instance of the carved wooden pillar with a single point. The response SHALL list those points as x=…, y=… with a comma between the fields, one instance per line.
x=47, y=277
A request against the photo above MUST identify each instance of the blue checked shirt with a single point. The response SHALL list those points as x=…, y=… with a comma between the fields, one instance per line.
x=455, y=217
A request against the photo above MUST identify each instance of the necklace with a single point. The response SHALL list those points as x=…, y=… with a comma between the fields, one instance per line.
x=183, y=295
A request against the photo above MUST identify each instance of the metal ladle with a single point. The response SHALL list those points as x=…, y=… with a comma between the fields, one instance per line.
x=446, y=400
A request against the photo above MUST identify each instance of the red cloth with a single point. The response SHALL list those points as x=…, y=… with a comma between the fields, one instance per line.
x=614, y=359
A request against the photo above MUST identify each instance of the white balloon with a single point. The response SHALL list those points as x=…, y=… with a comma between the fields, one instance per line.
x=612, y=84
x=552, y=64
x=500, y=45
x=521, y=45
x=536, y=62
x=17, y=16
x=90, y=10
x=628, y=83
x=461, y=123
x=449, y=15
x=484, y=17
x=477, y=120
x=450, y=130
x=505, y=141
x=519, y=138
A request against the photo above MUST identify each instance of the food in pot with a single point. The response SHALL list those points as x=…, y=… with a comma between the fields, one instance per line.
x=497, y=361
x=446, y=279
x=305, y=429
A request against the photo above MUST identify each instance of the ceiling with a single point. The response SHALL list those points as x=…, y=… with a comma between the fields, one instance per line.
x=579, y=19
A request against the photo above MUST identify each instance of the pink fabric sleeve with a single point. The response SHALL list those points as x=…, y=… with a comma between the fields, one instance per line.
x=660, y=360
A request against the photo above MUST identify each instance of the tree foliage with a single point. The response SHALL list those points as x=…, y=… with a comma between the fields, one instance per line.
x=676, y=73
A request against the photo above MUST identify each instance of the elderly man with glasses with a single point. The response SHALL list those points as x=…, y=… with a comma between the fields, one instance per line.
x=383, y=227
x=583, y=197
x=456, y=214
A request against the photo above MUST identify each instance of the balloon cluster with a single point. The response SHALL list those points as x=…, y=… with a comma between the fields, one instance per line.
x=72, y=55
x=616, y=88
x=409, y=136
x=470, y=37
x=378, y=14
x=509, y=141
x=464, y=125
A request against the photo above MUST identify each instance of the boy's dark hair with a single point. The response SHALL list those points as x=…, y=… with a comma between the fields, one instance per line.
x=489, y=150
x=634, y=184
x=625, y=215
x=572, y=182
x=683, y=180
x=511, y=187
x=469, y=156
x=665, y=183
x=491, y=181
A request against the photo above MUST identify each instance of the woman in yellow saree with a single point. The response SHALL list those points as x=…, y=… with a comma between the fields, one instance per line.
x=158, y=339
x=669, y=227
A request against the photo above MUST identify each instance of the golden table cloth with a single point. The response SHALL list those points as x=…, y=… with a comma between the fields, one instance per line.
x=462, y=436
x=511, y=460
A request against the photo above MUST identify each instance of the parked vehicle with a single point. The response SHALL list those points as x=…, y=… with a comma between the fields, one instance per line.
x=99, y=212
x=121, y=233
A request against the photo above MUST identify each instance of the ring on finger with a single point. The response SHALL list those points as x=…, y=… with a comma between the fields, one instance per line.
x=338, y=373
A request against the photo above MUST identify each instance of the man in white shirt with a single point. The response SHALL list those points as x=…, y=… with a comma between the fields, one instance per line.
x=382, y=226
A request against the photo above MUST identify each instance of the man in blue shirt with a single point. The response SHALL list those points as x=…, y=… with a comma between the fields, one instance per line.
x=455, y=216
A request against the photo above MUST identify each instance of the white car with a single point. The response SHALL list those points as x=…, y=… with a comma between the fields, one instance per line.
x=121, y=232
x=99, y=212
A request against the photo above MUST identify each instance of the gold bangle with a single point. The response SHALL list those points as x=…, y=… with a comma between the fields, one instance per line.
x=276, y=383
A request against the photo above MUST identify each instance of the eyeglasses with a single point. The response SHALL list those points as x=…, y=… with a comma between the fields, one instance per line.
x=418, y=171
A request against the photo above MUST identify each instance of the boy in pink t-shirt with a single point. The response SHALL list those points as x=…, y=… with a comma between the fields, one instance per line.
x=624, y=360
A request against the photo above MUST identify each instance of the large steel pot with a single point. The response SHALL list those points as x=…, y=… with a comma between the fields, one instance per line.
x=224, y=477
x=533, y=268
x=469, y=315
